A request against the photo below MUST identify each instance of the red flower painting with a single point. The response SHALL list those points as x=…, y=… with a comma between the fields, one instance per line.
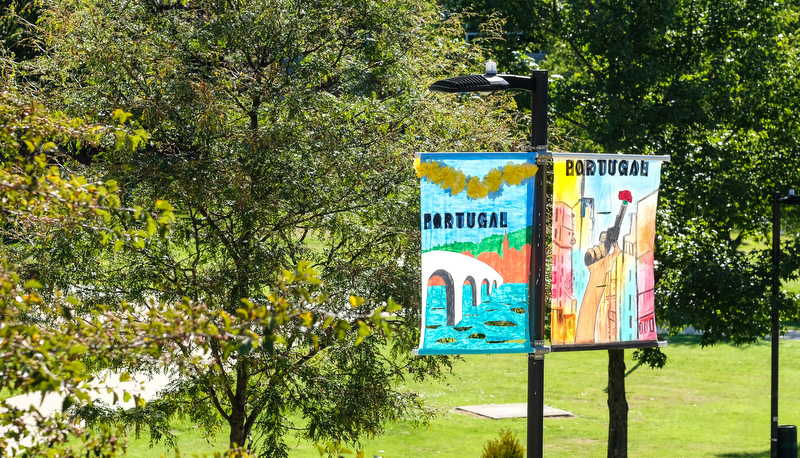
x=625, y=196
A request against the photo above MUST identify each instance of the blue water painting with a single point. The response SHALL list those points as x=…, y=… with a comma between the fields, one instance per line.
x=500, y=322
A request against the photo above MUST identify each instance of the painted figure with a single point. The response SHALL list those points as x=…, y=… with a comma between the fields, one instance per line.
x=599, y=259
x=599, y=262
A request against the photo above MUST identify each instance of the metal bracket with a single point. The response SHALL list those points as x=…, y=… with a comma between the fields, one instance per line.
x=540, y=349
x=542, y=155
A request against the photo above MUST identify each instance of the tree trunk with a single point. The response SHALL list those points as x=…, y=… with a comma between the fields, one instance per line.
x=617, y=406
x=238, y=436
x=238, y=417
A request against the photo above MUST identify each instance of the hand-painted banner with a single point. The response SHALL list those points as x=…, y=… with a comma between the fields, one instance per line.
x=476, y=250
x=604, y=213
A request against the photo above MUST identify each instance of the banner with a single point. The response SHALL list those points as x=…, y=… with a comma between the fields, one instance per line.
x=604, y=213
x=476, y=223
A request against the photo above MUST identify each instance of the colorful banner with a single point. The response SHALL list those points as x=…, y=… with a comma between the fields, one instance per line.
x=604, y=214
x=476, y=215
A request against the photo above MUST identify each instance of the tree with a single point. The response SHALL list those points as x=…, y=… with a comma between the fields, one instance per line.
x=13, y=30
x=282, y=132
x=49, y=346
x=40, y=358
x=712, y=87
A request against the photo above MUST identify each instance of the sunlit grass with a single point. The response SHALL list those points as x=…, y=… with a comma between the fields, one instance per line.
x=190, y=443
x=704, y=403
x=711, y=402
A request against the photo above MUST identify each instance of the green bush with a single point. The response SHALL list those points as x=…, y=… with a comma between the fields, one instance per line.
x=507, y=446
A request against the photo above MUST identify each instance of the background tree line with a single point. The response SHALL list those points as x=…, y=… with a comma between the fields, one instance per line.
x=711, y=84
x=279, y=137
x=281, y=132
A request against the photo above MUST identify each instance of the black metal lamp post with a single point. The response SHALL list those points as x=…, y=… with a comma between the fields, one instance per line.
x=777, y=201
x=537, y=85
x=491, y=81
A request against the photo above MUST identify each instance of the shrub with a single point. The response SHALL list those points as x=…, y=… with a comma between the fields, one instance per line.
x=507, y=446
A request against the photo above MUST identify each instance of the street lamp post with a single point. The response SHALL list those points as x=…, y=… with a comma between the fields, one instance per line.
x=777, y=201
x=537, y=85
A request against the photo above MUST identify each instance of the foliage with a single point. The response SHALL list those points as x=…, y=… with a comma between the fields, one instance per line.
x=335, y=449
x=506, y=446
x=14, y=32
x=652, y=357
x=282, y=133
x=48, y=359
x=48, y=346
x=714, y=90
x=712, y=87
x=41, y=358
x=27, y=123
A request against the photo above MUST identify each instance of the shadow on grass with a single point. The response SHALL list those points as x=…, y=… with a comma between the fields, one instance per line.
x=744, y=455
x=681, y=339
x=688, y=340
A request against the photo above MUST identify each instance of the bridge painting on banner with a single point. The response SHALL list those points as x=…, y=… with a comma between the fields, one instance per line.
x=476, y=215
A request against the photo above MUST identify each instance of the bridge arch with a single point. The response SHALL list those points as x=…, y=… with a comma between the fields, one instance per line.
x=455, y=269
x=491, y=286
x=450, y=294
x=475, y=293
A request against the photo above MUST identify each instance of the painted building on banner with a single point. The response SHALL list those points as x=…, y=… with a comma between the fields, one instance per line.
x=645, y=262
x=628, y=304
x=564, y=310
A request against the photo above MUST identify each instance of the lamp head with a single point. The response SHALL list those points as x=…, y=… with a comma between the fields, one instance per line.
x=470, y=83
x=488, y=82
x=789, y=199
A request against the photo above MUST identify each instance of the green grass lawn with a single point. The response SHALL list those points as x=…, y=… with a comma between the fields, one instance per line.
x=190, y=444
x=711, y=402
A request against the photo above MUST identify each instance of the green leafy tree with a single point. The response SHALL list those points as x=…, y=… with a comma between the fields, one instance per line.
x=282, y=132
x=17, y=16
x=41, y=358
x=715, y=95
x=49, y=343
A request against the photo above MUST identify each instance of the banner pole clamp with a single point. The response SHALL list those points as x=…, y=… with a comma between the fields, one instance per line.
x=540, y=349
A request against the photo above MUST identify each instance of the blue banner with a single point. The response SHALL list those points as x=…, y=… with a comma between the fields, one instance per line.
x=476, y=223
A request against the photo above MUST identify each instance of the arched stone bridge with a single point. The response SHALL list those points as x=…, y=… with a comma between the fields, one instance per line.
x=455, y=269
